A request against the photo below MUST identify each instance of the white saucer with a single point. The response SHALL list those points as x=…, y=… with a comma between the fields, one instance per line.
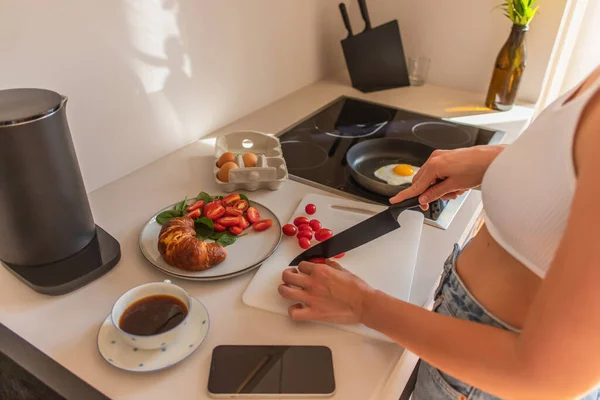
x=116, y=352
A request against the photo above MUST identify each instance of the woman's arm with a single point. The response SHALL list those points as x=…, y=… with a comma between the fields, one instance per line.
x=557, y=355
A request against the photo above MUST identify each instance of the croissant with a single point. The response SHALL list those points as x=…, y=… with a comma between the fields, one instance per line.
x=178, y=245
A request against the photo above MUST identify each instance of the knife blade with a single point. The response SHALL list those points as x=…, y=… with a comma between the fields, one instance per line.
x=359, y=234
x=346, y=19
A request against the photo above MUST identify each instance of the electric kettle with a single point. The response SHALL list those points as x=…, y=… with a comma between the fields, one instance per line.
x=48, y=237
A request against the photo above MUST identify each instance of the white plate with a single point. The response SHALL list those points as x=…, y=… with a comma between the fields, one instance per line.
x=246, y=254
x=121, y=355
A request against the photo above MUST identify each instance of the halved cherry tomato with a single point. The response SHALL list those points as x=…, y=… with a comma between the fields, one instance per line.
x=300, y=220
x=253, y=215
x=219, y=227
x=304, y=243
x=218, y=201
x=340, y=255
x=262, y=225
x=318, y=260
x=195, y=206
x=323, y=234
x=241, y=205
x=304, y=227
x=233, y=212
x=231, y=199
x=307, y=233
x=315, y=225
x=235, y=230
x=310, y=209
x=229, y=221
x=195, y=213
x=214, y=211
x=244, y=224
x=289, y=230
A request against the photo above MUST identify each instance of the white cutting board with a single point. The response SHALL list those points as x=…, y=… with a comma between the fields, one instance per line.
x=386, y=263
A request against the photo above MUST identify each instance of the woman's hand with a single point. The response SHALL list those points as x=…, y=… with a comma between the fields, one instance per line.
x=456, y=171
x=325, y=292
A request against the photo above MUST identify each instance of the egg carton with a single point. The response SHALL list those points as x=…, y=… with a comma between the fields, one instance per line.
x=270, y=171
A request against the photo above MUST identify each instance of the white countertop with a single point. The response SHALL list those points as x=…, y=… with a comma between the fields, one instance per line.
x=65, y=327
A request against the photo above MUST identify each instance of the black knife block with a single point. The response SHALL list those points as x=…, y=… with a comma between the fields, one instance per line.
x=375, y=58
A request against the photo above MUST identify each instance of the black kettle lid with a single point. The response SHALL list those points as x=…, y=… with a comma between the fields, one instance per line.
x=22, y=105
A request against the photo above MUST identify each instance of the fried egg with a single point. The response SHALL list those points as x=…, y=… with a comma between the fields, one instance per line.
x=397, y=174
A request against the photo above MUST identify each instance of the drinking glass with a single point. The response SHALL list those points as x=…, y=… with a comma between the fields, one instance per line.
x=418, y=68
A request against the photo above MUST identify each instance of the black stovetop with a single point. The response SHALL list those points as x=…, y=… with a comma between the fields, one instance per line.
x=315, y=148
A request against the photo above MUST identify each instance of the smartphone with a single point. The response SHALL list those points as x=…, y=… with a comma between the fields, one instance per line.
x=271, y=371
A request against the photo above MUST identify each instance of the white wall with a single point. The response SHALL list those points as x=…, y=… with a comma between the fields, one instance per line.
x=145, y=77
x=463, y=37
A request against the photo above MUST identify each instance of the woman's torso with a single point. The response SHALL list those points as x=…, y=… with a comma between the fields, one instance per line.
x=500, y=282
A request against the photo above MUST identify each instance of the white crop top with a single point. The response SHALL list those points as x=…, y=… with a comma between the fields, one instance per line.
x=527, y=191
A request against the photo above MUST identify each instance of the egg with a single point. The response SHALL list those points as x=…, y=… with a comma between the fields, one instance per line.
x=225, y=158
x=249, y=160
x=223, y=174
x=397, y=174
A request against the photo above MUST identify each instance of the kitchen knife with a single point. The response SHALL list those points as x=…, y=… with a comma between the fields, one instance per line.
x=346, y=18
x=359, y=234
x=365, y=14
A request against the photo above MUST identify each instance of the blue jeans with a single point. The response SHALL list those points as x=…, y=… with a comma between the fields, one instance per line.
x=452, y=298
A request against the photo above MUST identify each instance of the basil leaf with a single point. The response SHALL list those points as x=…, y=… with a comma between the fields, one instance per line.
x=218, y=197
x=244, y=197
x=181, y=205
x=165, y=216
x=216, y=236
x=227, y=239
x=204, y=196
x=204, y=228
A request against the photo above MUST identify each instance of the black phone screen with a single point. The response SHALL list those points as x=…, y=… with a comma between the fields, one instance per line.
x=271, y=370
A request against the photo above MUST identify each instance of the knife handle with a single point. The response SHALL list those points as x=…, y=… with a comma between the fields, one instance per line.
x=346, y=19
x=365, y=13
x=396, y=209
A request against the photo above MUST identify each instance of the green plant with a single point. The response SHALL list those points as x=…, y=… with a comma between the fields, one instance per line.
x=520, y=12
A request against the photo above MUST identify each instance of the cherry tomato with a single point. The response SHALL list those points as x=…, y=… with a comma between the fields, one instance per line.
x=218, y=201
x=310, y=209
x=340, y=255
x=315, y=225
x=195, y=206
x=195, y=213
x=289, y=230
x=233, y=212
x=307, y=233
x=323, y=234
x=244, y=224
x=219, y=227
x=305, y=227
x=253, y=215
x=304, y=243
x=241, y=205
x=229, y=221
x=262, y=225
x=214, y=211
x=318, y=260
x=300, y=220
x=231, y=199
x=235, y=230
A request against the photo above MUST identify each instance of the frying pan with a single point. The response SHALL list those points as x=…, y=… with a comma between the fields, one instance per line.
x=366, y=157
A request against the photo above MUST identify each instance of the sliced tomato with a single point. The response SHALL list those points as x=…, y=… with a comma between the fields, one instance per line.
x=315, y=225
x=195, y=206
x=253, y=215
x=195, y=213
x=307, y=233
x=340, y=255
x=244, y=224
x=300, y=221
x=229, y=221
x=262, y=225
x=218, y=201
x=231, y=199
x=318, y=260
x=241, y=205
x=233, y=212
x=304, y=243
x=323, y=234
x=289, y=230
x=219, y=227
x=235, y=230
x=214, y=211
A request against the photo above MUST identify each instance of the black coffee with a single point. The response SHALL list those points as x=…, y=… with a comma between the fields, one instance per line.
x=152, y=315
